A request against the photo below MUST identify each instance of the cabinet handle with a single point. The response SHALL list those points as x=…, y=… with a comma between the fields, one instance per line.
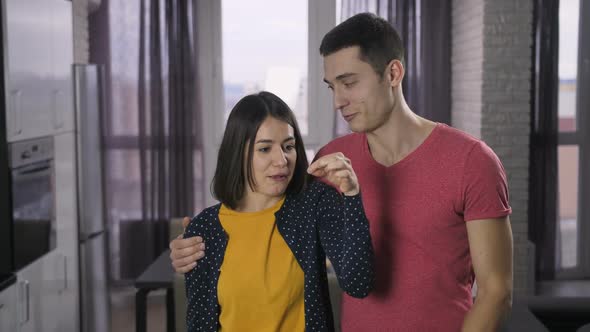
x=16, y=111
x=24, y=299
x=21, y=302
x=27, y=292
x=58, y=105
x=27, y=288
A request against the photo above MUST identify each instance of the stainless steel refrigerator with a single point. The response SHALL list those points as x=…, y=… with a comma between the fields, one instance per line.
x=94, y=299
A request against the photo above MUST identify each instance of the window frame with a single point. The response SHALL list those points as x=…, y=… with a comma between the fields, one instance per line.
x=581, y=138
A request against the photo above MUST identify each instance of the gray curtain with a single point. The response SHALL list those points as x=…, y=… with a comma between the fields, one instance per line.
x=543, y=147
x=167, y=117
x=153, y=147
x=425, y=29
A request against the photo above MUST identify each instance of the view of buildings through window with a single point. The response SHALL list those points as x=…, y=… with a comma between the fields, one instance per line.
x=268, y=53
x=568, y=155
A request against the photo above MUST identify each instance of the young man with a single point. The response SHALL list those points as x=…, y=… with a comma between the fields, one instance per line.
x=436, y=198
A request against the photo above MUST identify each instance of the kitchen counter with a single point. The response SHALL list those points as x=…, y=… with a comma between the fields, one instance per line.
x=6, y=281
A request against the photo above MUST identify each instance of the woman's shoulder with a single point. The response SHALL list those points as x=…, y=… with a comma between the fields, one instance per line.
x=318, y=186
x=314, y=190
x=206, y=216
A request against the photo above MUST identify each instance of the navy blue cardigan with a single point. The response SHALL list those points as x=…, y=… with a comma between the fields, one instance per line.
x=314, y=223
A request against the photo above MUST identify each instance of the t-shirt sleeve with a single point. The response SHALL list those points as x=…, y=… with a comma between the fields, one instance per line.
x=321, y=152
x=484, y=187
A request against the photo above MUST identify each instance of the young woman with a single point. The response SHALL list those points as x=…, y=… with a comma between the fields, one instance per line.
x=264, y=268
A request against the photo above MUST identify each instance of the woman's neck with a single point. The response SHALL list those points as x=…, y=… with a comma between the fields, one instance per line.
x=253, y=202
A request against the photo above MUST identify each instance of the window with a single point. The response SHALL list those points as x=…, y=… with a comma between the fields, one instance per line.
x=567, y=156
x=277, y=51
x=572, y=228
x=140, y=135
x=267, y=53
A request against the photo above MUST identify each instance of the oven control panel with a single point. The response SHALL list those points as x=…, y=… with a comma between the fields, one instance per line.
x=31, y=151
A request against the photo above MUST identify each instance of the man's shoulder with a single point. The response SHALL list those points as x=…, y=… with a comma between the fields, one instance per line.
x=456, y=135
x=457, y=141
x=472, y=153
x=347, y=143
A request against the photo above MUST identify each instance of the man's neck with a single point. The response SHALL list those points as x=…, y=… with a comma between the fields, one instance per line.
x=403, y=132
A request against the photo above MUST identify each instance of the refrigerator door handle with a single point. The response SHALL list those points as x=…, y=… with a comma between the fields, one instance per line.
x=16, y=112
x=65, y=272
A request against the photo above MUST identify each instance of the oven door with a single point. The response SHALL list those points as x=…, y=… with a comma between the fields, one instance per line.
x=33, y=211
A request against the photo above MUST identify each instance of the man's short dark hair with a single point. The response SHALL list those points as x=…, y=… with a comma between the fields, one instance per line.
x=378, y=41
x=229, y=181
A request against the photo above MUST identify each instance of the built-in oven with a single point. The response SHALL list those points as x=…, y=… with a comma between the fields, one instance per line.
x=6, y=259
x=33, y=199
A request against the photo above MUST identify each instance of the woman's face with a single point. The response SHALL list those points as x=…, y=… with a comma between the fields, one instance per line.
x=273, y=160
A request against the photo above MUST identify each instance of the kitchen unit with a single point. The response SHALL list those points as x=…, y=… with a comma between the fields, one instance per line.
x=7, y=278
x=34, y=233
x=8, y=312
x=38, y=194
x=33, y=199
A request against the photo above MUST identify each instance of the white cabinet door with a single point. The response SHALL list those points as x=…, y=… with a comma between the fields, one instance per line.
x=39, y=57
x=29, y=74
x=8, y=321
x=62, y=55
x=68, y=315
x=38, y=287
x=67, y=231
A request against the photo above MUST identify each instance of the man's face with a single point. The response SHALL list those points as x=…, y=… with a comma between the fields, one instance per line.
x=364, y=99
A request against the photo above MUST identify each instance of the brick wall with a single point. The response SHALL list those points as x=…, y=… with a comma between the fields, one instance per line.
x=467, y=65
x=491, y=63
x=80, y=21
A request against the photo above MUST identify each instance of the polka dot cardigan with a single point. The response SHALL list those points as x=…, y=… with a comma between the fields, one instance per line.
x=315, y=223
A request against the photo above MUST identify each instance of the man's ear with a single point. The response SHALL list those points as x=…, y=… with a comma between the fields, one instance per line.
x=395, y=72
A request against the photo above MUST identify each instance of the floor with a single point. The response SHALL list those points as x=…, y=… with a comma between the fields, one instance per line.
x=123, y=310
x=123, y=303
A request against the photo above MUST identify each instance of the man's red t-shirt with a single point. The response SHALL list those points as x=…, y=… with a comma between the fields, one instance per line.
x=417, y=210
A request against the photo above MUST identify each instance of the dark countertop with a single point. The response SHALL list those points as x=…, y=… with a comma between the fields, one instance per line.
x=6, y=281
x=564, y=288
x=522, y=319
x=560, y=305
x=159, y=274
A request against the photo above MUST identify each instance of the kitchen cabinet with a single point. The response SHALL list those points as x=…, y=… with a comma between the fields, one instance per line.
x=45, y=296
x=38, y=55
x=8, y=320
x=67, y=231
x=38, y=286
x=62, y=52
x=47, y=289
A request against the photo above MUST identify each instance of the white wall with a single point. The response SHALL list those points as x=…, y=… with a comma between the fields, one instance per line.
x=81, y=41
